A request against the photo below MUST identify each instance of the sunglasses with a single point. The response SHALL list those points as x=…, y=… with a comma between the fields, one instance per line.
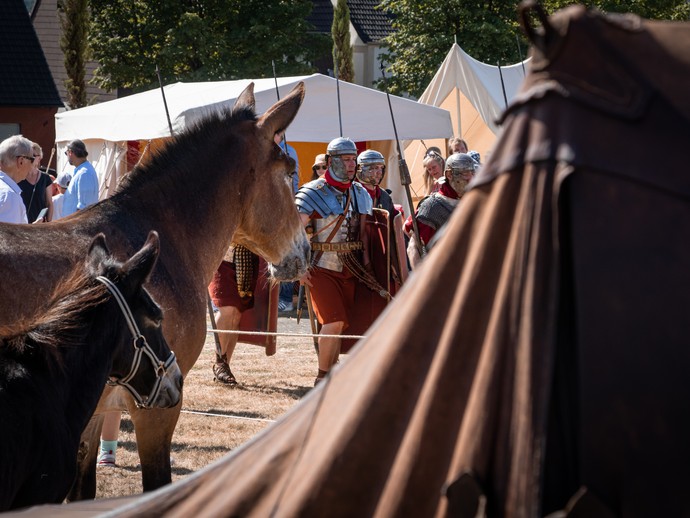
x=29, y=158
x=433, y=154
x=324, y=167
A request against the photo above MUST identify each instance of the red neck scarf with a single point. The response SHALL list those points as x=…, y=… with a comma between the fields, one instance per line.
x=375, y=193
x=335, y=183
x=448, y=191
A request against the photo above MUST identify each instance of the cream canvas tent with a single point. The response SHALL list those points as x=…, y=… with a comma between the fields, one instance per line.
x=473, y=94
x=107, y=128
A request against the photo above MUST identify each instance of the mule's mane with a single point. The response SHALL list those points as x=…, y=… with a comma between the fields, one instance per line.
x=60, y=321
x=179, y=159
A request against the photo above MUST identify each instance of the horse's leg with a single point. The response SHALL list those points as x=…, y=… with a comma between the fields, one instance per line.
x=154, y=430
x=84, y=486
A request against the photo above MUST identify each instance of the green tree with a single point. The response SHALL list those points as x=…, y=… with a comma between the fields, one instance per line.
x=74, y=21
x=424, y=31
x=652, y=9
x=196, y=40
x=342, y=49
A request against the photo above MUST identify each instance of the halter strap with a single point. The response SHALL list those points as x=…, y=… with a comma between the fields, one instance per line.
x=134, y=329
x=141, y=348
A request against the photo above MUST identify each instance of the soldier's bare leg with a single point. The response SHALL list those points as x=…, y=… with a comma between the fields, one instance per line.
x=329, y=347
x=227, y=318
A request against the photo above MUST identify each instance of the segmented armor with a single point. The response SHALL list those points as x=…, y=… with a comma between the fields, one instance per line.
x=317, y=196
x=329, y=203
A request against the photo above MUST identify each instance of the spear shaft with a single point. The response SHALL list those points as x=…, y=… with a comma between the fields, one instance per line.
x=404, y=172
x=337, y=90
x=165, y=103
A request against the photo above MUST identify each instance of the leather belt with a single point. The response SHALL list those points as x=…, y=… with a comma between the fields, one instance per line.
x=337, y=247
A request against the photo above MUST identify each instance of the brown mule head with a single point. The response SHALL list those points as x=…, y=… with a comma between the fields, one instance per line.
x=271, y=225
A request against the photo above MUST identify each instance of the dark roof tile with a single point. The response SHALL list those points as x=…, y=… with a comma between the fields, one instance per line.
x=371, y=23
x=322, y=16
x=26, y=78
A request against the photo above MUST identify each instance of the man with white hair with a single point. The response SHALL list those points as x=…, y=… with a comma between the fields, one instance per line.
x=16, y=159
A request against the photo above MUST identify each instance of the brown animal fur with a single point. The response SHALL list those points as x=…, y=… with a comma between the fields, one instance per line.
x=197, y=206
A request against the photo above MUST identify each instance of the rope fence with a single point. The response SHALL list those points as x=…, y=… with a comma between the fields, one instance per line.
x=270, y=333
x=227, y=416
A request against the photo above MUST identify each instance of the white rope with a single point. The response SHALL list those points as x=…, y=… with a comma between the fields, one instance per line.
x=268, y=333
x=228, y=416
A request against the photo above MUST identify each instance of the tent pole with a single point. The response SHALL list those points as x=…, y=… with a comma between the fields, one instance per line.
x=457, y=101
x=457, y=114
x=503, y=85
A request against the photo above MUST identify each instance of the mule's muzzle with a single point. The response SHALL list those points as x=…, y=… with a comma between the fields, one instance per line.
x=295, y=264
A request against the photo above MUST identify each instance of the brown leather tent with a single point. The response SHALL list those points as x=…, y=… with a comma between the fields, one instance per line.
x=540, y=355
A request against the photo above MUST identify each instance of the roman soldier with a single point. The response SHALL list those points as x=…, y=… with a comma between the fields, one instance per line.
x=388, y=247
x=334, y=208
x=435, y=210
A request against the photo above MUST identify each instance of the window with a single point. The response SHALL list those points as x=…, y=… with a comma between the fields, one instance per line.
x=31, y=6
x=8, y=129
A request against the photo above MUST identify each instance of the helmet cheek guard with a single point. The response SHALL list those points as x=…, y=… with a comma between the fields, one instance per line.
x=365, y=175
x=365, y=162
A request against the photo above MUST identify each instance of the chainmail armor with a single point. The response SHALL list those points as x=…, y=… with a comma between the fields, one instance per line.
x=436, y=210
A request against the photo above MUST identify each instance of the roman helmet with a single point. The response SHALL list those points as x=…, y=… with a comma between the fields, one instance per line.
x=460, y=168
x=365, y=161
x=336, y=148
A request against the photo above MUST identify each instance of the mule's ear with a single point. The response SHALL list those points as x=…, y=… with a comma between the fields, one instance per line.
x=97, y=254
x=138, y=268
x=280, y=115
x=245, y=99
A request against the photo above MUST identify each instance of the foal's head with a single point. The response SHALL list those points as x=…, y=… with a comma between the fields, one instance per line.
x=83, y=323
x=142, y=362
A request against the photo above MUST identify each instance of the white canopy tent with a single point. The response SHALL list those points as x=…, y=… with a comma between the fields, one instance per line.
x=473, y=94
x=106, y=127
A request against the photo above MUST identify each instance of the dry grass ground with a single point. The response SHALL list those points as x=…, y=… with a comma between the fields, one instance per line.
x=227, y=417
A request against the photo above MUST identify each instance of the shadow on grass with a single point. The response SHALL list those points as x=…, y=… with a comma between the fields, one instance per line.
x=293, y=392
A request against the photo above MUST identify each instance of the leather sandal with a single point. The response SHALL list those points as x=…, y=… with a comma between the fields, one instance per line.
x=222, y=372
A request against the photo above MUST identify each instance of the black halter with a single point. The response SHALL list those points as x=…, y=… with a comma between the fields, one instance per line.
x=141, y=347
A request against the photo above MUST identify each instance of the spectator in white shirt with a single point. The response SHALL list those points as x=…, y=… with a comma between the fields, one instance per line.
x=16, y=159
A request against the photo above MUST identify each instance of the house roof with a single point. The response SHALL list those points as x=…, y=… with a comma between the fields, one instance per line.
x=25, y=78
x=371, y=24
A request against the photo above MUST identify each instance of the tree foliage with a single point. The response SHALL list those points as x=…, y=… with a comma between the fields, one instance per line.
x=342, y=48
x=196, y=40
x=424, y=31
x=651, y=9
x=74, y=22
